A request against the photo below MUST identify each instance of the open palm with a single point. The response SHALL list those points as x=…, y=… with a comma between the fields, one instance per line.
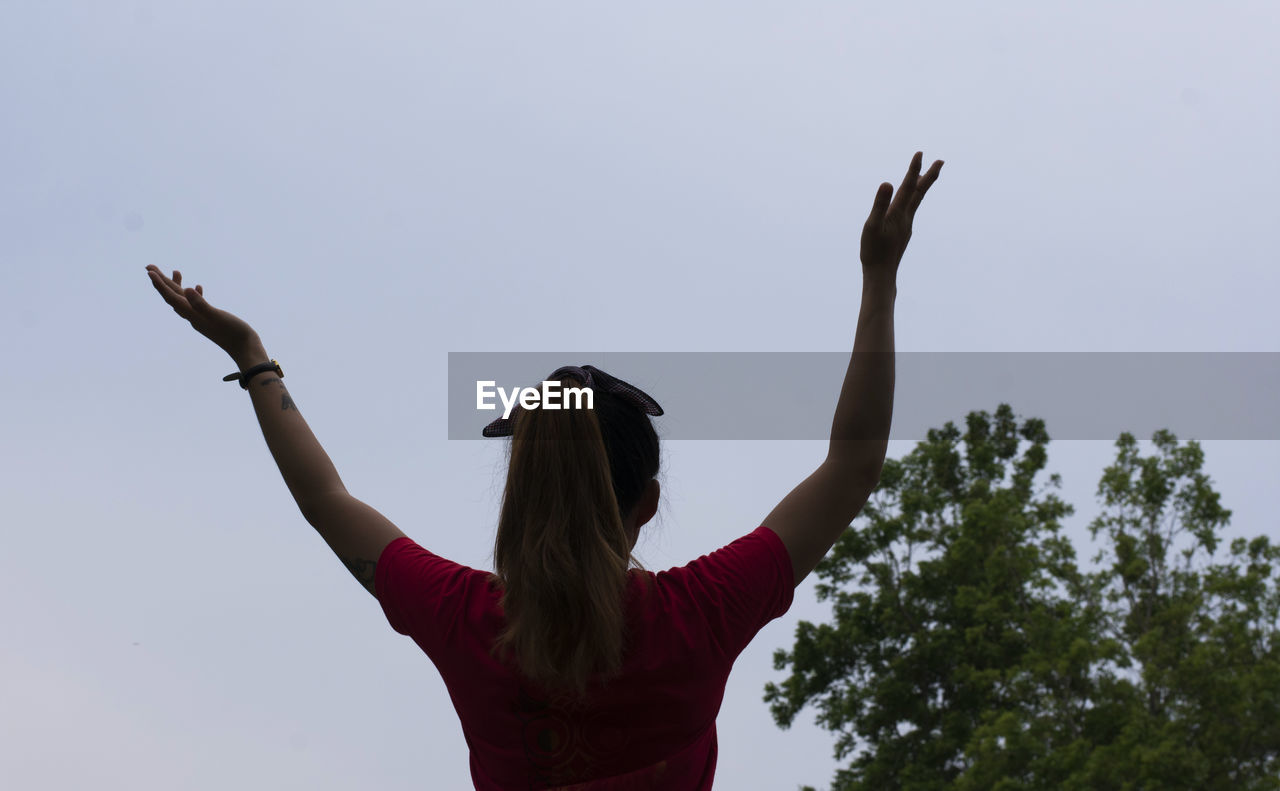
x=231, y=333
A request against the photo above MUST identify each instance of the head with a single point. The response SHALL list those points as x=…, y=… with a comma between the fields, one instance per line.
x=580, y=485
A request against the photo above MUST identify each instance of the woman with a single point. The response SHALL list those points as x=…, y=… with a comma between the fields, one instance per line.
x=569, y=669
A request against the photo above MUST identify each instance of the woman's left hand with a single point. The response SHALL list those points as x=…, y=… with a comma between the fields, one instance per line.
x=232, y=334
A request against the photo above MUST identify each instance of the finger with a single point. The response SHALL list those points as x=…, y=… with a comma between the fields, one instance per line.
x=195, y=298
x=179, y=304
x=166, y=282
x=908, y=187
x=167, y=289
x=200, y=289
x=157, y=280
x=881, y=204
x=177, y=277
x=926, y=181
x=164, y=285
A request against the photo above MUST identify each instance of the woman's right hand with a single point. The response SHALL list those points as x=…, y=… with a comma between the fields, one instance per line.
x=231, y=333
x=888, y=229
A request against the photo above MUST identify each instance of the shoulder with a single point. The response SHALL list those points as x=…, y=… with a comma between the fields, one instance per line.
x=760, y=552
x=731, y=593
x=414, y=585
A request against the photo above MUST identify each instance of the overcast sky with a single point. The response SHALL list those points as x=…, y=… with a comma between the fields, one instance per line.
x=375, y=185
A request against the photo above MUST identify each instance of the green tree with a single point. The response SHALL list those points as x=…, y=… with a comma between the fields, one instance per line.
x=1194, y=701
x=967, y=650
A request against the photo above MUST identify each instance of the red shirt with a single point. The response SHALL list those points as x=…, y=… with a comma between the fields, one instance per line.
x=654, y=726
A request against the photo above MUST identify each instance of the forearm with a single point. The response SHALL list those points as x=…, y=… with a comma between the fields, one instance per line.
x=307, y=469
x=860, y=429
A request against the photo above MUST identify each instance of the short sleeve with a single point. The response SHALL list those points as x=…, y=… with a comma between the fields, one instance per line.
x=739, y=588
x=422, y=594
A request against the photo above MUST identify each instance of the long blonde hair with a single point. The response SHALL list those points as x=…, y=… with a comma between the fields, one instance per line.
x=562, y=552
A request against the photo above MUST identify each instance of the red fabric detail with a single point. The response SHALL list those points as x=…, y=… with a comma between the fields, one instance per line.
x=651, y=727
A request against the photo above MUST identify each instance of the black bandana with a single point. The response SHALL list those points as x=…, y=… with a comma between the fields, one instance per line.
x=591, y=377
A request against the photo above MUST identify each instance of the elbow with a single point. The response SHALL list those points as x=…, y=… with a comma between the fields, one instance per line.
x=318, y=505
x=859, y=457
x=862, y=482
x=863, y=472
x=872, y=475
x=852, y=486
x=868, y=478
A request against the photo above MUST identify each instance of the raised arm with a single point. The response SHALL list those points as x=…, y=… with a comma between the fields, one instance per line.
x=356, y=532
x=812, y=517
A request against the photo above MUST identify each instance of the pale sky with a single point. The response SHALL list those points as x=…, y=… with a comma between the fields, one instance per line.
x=375, y=185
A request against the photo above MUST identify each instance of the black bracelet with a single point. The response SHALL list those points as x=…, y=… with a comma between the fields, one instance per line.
x=252, y=372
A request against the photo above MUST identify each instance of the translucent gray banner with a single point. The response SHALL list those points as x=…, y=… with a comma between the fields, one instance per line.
x=792, y=395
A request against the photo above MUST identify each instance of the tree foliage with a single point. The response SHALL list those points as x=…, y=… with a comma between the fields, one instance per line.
x=968, y=651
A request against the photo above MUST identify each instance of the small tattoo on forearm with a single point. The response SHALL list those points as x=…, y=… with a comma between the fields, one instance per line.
x=362, y=570
x=286, y=401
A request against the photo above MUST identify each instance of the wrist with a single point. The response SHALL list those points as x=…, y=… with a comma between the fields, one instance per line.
x=251, y=355
x=880, y=280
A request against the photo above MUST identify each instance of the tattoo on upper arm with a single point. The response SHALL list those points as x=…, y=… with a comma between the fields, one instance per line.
x=286, y=401
x=362, y=570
